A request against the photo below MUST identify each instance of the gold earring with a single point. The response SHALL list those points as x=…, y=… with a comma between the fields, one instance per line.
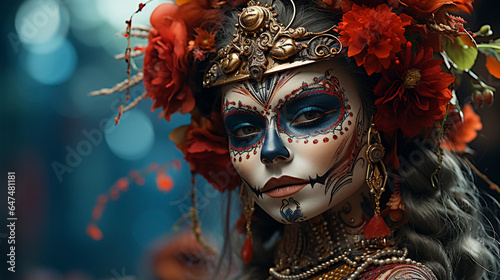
x=376, y=178
x=248, y=207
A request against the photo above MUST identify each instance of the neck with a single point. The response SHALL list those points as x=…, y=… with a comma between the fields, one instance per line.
x=324, y=237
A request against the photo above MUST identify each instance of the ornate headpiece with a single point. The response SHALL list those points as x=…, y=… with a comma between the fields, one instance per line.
x=262, y=45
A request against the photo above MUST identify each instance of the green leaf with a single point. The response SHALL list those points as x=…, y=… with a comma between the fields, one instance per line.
x=462, y=55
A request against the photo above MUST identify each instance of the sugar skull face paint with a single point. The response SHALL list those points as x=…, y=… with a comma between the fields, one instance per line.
x=297, y=139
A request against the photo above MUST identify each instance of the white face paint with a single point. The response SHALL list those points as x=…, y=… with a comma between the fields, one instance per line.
x=297, y=139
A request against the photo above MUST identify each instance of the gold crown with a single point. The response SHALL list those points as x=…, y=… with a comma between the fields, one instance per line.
x=262, y=46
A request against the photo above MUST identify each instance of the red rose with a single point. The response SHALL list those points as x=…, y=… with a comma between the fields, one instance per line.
x=205, y=147
x=374, y=36
x=166, y=63
x=413, y=93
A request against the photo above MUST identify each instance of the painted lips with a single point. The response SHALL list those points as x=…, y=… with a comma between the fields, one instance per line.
x=283, y=186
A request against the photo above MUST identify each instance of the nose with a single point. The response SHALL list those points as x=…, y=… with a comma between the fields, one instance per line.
x=273, y=148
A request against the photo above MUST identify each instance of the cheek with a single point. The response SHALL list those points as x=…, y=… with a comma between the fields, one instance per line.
x=318, y=153
x=246, y=163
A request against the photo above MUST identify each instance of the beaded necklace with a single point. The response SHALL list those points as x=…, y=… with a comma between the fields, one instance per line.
x=322, y=255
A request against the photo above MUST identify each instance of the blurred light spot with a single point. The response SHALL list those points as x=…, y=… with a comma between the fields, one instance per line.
x=85, y=14
x=40, y=21
x=157, y=223
x=133, y=138
x=53, y=67
x=47, y=46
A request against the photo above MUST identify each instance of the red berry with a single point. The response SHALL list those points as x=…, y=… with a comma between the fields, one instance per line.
x=488, y=96
x=478, y=99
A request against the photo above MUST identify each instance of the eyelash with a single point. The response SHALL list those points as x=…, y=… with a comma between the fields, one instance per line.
x=307, y=110
x=234, y=131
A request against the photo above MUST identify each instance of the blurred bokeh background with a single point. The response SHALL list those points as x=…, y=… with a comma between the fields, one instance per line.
x=66, y=151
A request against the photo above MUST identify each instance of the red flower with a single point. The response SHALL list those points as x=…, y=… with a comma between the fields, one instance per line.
x=413, y=93
x=374, y=36
x=464, y=131
x=198, y=13
x=424, y=9
x=166, y=63
x=346, y=5
x=205, y=147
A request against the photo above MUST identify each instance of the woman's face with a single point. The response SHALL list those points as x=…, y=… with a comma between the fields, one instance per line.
x=297, y=139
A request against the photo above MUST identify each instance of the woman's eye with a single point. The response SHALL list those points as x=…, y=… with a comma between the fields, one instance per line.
x=308, y=117
x=246, y=131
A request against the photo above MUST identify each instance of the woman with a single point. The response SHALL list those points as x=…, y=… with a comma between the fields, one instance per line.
x=338, y=152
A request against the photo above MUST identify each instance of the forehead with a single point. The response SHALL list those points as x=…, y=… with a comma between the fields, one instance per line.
x=274, y=87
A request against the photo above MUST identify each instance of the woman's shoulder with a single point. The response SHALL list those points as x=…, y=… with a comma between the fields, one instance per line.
x=398, y=271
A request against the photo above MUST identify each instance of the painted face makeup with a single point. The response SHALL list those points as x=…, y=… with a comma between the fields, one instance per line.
x=297, y=139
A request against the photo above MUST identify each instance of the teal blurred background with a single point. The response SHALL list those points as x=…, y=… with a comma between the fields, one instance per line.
x=65, y=150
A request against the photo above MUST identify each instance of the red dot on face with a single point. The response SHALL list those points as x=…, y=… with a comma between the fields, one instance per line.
x=346, y=99
x=349, y=122
x=351, y=114
x=341, y=133
x=346, y=129
x=348, y=107
x=248, y=156
x=325, y=140
x=315, y=141
x=240, y=159
x=290, y=140
x=335, y=137
x=306, y=141
x=234, y=159
x=255, y=152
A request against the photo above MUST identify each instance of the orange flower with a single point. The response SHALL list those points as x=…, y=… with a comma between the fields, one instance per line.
x=465, y=131
x=205, y=147
x=493, y=65
x=374, y=36
x=204, y=40
x=412, y=93
x=166, y=63
x=204, y=43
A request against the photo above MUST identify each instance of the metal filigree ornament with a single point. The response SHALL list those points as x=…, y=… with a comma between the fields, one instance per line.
x=262, y=45
x=376, y=174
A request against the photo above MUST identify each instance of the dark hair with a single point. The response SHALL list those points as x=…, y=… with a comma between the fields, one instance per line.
x=445, y=229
